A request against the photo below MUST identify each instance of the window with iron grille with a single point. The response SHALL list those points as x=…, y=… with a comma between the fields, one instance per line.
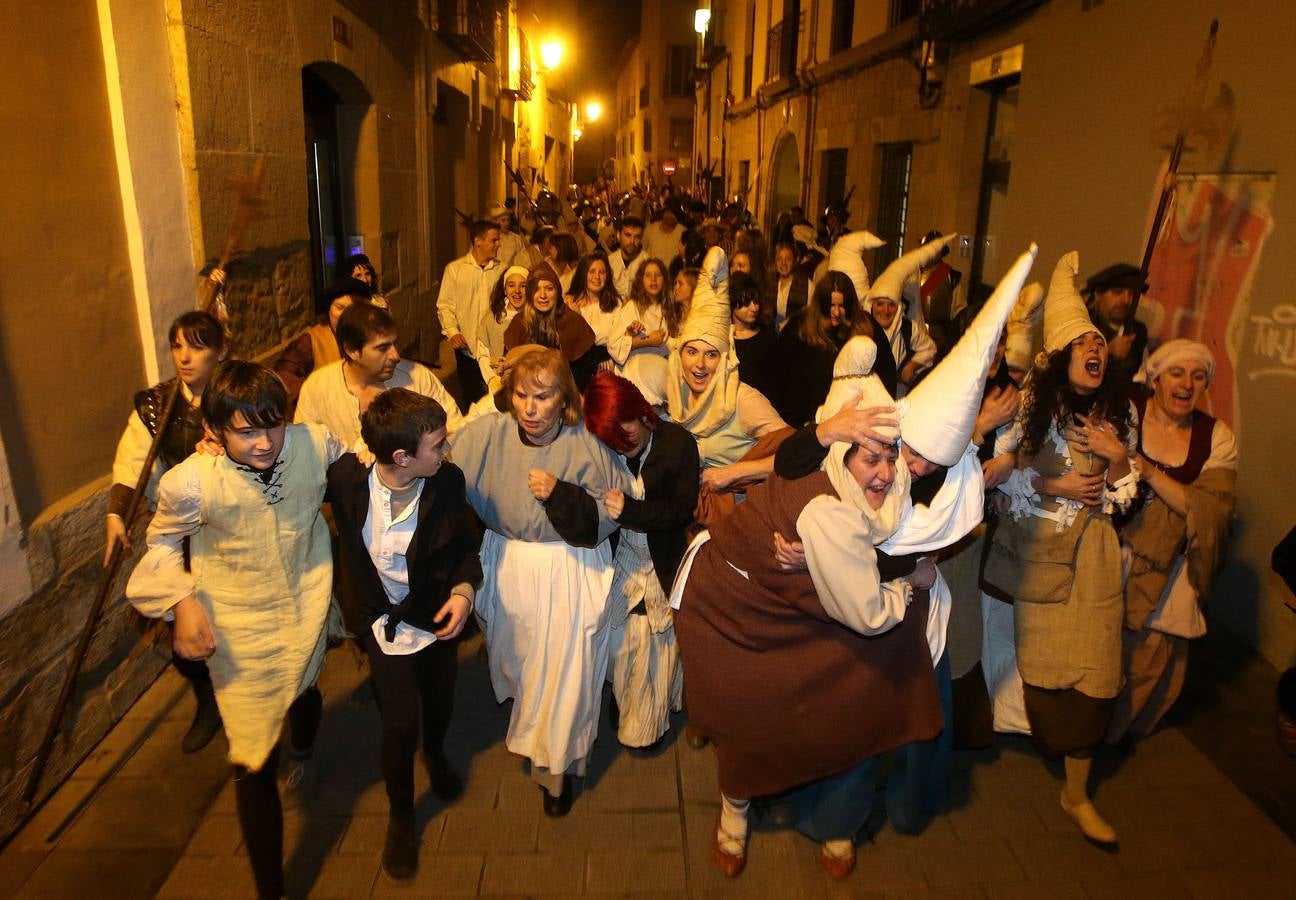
x=679, y=71
x=843, y=25
x=893, y=202
x=832, y=183
x=681, y=135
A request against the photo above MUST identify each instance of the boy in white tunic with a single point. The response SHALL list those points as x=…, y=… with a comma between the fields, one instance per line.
x=255, y=600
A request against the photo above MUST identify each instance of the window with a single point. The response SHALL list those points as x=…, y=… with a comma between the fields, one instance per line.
x=681, y=136
x=744, y=176
x=647, y=137
x=750, y=51
x=644, y=89
x=843, y=25
x=893, y=202
x=679, y=71
x=832, y=183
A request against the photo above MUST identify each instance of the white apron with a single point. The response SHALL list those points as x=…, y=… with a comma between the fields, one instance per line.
x=647, y=680
x=544, y=610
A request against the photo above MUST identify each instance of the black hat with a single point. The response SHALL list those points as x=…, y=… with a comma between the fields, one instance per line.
x=1121, y=275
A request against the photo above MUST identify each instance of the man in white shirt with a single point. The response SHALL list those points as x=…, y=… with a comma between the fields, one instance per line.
x=513, y=246
x=466, y=287
x=337, y=394
x=661, y=238
x=625, y=262
x=408, y=568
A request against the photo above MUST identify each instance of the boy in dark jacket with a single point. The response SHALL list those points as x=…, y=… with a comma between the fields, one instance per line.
x=407, y=574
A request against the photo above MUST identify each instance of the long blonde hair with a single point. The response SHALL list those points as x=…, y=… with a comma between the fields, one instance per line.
x=529, y=365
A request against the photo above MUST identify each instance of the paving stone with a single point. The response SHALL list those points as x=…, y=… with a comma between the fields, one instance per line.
x=1242, y=882
x=697, y=774
x=161, y=755
x=657, y=830
x=209, y=878
x=1024, y=890
x=979, y=821
x=312, y=834
x=344, y=875
x=632, y=871
x=55, y=816
x=614, y=793
x=219, y=835
x=970, y=892
x=160, y=698
x=365, y=835
x=591, y=831
x=1164, y=849
x=1063, y=858
x=533, y=873
x=438, y=875
x=478, y=831
x=99, y=873
x=1163, y=886
x=1256, y=843
x=140, y=814
x=16, y=867
x=971, y=862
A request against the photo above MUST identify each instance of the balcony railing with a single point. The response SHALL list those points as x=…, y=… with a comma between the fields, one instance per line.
x=953, y=20
x=469, y=27
x=774, y=63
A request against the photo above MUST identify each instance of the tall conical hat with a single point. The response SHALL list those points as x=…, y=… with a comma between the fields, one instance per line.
x=1023, y=327
x=847, y=257
x=708, y=317
x=892, y=280
x=853, y=377
x=937, y=417
x=1065, y=315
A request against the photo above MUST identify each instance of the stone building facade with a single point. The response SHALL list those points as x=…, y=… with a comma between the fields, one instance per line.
x=1013, y=121
x=655, y=97
x=375, y=122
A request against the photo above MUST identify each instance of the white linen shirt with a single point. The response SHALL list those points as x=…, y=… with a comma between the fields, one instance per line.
x=465, y=294
x=387, y=539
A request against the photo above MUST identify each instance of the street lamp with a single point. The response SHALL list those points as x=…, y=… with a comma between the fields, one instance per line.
x=551, y=53
x=701, y=19
x=593, y=110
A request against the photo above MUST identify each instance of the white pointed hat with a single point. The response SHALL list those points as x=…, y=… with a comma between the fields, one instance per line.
x=937, y=417
x=847, y=257
x=892, y=280
x=1065, y=314
x=708, y=317
x=1023, y=327
x=853, y=377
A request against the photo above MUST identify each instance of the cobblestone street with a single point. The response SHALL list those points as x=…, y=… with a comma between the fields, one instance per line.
x=141, y=819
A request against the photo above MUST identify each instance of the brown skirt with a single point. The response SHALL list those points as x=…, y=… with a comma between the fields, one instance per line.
x=1065, y=722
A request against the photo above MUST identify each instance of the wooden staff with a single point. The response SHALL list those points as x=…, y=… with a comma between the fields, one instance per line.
x=246, y=210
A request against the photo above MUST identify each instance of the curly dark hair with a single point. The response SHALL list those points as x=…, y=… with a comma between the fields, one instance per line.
x=1050, y=400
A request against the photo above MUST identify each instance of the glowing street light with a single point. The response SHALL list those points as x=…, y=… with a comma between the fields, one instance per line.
x=551, y=53
x=576, y=134
x=701, y=19
x=593, y=110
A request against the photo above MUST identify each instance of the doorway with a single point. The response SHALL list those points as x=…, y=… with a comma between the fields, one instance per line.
x=996, y=168
x=334, y=104
x=785, y=181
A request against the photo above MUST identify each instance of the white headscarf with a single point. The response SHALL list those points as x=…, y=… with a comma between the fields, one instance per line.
x=882, y=522
x=708, y=321
x=1176, y=352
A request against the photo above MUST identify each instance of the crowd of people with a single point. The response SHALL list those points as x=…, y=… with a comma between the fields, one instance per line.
x=835, y=520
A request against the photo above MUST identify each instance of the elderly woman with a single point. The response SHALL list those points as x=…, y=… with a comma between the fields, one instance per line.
x=653, y=515
x=705, y=395
x=549, y=322
x=1176, y=533
x=802, y=678
x=1072, y=443
x=538, y=481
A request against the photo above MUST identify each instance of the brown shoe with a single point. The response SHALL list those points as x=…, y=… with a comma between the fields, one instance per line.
x=837, y=867
x=730, y=863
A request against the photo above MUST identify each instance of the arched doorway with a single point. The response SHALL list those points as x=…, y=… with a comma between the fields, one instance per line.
x=785, y=180
x=335, y=104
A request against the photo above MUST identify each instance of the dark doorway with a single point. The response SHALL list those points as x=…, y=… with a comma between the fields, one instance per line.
x=996, y=167
x=449, y=140
x=334, y=103
x=323, y=177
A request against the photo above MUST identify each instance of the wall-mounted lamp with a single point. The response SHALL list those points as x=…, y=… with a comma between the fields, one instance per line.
x=551, y=54
x=701, y=20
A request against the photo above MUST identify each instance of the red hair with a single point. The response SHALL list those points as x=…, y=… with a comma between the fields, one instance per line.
x=611, y=400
